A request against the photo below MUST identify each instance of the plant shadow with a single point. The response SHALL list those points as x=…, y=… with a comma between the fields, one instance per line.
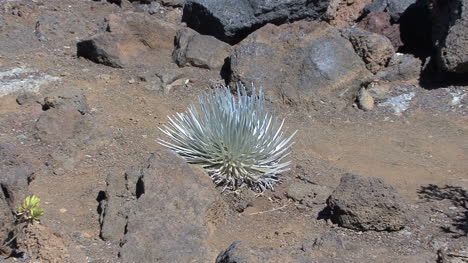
x=458, y=197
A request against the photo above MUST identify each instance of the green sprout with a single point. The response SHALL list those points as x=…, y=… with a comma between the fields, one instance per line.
x=28, y=213
x=30, y=209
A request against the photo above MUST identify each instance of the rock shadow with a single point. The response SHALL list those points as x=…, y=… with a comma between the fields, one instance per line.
x=459, y=198
x=416, y=30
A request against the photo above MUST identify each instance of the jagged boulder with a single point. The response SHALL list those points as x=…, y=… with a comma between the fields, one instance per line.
x=130, y=39
x=363, y=203
x=300, y=63
x=450, y=34
x=233, y=20
x=158, y=211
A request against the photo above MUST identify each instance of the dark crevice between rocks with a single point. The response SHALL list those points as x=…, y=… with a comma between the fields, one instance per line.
x=117, y=2
x=5, y=192
x=361, y=17
x=140, y=187
x=45, y=107
x=325, y=214
x=100, y=199
x=242, y=34
x=432, y=77
x=125, y=228
x=11, y=250
x=100, y=209
x=416, y=31
x=8, y=237
x=192, y=18
x=86, y=49
x=226, y=71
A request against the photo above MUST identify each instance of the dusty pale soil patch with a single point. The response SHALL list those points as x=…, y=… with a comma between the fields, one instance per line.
x=421, y=147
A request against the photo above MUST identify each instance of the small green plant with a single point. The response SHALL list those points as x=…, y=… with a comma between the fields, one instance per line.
x=30, y=210
x=233, y=137
x=28, y=213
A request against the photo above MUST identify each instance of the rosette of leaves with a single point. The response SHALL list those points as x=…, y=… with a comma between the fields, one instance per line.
x=29, y=209
x=28, y=213
x=233, y=137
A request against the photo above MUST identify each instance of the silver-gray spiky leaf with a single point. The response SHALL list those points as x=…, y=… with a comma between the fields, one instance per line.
x=236, y=139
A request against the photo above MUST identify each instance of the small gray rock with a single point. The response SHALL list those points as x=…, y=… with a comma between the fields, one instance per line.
x=365, y=99
x=199, y=50
x=102, y=49
x=308, y=194
x=67, y=99
x=239, y=253
x=402, y=67
x=331, y=241
x=27, y=98
x=379, y=91
x=239, y=201
x=166, y=78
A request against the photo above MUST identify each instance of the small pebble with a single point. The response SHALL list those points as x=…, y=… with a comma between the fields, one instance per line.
x=366, y=101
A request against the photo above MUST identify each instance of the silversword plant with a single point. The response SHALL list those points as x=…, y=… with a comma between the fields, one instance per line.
x=233, y=137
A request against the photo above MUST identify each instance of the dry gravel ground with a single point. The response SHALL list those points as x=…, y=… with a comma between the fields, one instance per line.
x=426, y=145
